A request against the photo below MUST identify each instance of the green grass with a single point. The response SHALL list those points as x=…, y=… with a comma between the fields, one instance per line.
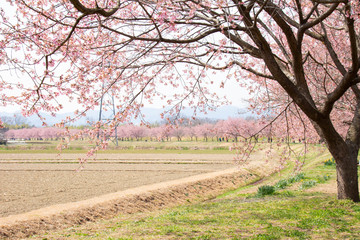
x=144, y=146
x=144, y=151
x=265, y=190
x=302, y=216
x=290, y=212
x=183, y=147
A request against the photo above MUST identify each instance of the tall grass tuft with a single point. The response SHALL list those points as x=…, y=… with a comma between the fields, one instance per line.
x=265, y=190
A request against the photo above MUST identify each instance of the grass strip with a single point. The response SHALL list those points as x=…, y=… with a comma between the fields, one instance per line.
x=299, y=216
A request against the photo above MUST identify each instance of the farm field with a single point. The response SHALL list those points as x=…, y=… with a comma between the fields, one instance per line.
x=300, y=206
x=32, y=181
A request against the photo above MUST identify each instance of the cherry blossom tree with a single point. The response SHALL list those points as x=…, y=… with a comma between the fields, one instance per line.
x=300, y=57
x=164, y=132
x=10, y=134
x=204, y=130
x=153, y=133
x=234, y=128
x=124, y=132
x=137, y=132
x=179, y=132
x=191, y=133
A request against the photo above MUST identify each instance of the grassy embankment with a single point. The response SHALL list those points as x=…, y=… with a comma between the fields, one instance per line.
x=284, y=206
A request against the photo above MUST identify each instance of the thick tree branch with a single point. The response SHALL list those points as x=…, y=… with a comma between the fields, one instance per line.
x=353, y=42
x=318, y=20
x=81, y=8
x=347, y=82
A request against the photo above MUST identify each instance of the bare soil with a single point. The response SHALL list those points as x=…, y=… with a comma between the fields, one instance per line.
x=58, y=196
x=29, y=182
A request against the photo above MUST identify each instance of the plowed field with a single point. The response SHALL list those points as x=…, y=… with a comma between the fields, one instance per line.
x=32, y=181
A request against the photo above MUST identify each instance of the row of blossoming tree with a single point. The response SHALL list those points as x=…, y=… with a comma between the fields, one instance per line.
x=232, y=129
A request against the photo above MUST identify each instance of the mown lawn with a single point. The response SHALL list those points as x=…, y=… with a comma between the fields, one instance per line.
x=289, y=211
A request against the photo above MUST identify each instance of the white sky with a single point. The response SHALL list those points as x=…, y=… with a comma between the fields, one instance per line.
x=233, y=92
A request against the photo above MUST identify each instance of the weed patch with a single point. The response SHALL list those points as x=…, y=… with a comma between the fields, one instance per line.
x=265, y=190
x=330, y=162
x=307, y=184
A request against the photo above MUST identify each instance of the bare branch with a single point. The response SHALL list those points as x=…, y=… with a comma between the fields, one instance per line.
x=81, y=8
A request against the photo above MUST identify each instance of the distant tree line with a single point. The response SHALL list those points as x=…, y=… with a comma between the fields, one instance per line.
x=232, y=129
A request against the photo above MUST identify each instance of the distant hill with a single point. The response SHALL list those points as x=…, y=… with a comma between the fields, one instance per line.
x=152, y=115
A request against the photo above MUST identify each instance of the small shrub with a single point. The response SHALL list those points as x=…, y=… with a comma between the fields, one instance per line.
x=265, y=190
x=308, y=184
x=322, y=179
x=296, y=178
x=283, y=183
x=330, y=162
x=326, y=177
x=299, y=177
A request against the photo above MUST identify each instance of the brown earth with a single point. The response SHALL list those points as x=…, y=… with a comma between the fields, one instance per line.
x=32, y=181
x=129, y=184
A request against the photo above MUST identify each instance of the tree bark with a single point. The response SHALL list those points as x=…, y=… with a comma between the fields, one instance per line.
x=347, y=177
x=345, y=153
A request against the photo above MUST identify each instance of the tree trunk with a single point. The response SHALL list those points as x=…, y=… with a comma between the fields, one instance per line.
x=345, y=153
x=347, y=178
